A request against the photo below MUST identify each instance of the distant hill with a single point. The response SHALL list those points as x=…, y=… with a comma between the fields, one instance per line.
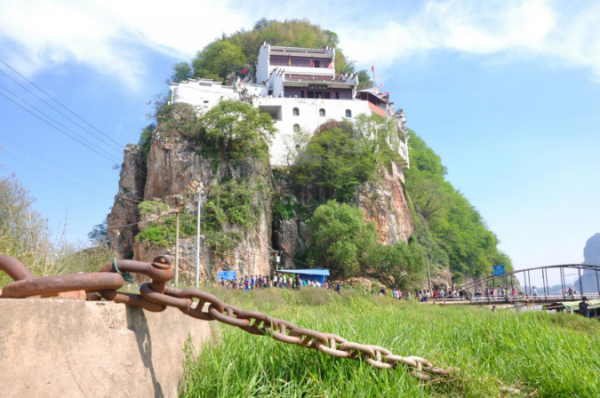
x=591, y=256
x=591, y=252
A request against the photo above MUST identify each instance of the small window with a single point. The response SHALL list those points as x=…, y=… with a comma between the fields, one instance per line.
x=322, y=112
x=337, y=95
x=348, y=113
x=206, y=101
x=296, y=112
x=317, y=64
x=296, y=128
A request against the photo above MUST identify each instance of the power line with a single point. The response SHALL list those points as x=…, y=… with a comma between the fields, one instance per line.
x=53, y=126
x=55, y=100
x=119, y=148
x=40, y=156
x=67, y=175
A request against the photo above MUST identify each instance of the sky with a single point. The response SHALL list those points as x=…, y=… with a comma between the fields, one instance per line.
x=506, y=92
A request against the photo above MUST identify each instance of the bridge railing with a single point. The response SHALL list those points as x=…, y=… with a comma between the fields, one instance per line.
x=521, y=298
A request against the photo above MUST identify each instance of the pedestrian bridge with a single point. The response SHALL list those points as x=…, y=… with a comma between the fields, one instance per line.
x=553, y=283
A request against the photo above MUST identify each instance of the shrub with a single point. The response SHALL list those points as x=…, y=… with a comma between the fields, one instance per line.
x=230, y=204
x=151, y=206
x=163, y=231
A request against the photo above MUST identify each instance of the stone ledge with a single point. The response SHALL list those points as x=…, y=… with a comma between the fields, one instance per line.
x=72, y=348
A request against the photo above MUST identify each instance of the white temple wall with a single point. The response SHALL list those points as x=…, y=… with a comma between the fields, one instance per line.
x=302, y=70
x=308, y=120
x=262, y=69
x=202, y=97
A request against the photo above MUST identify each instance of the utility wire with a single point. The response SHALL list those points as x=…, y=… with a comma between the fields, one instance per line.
x=66, y=175
x=56, y=128
x=55, y=100
x=118, y=148
x=38, y=156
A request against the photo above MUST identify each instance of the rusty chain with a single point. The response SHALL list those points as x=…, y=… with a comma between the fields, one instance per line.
x=156, y=296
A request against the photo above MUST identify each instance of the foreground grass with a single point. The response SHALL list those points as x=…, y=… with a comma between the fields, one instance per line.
x=541, y=354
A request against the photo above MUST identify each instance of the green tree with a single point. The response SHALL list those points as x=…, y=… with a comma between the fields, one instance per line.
x=181, y=71
x=336, y=234
x=364, y=80
x=232, y=53
x=145, y=141
x=344, y=155
x=343, y=242
x=100, y=233
x=238, y=128
x=218, y=59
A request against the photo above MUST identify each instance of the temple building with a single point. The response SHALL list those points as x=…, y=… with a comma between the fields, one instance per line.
x=300, y=89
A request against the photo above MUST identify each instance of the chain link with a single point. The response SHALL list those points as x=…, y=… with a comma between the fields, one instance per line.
x=156, y=297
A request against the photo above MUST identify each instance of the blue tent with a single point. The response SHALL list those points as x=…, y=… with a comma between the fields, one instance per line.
x=314, y=274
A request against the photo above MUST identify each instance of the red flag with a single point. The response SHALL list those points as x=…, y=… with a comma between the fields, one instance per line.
x=387, y=93
x=244, y=71
x=372, y=68
x=381, y=85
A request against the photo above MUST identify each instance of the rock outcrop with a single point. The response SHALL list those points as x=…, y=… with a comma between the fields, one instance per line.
x=384, y=204
x=173, y=174
x=124, y=215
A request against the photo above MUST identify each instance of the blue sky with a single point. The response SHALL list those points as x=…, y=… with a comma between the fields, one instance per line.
x=507, y=93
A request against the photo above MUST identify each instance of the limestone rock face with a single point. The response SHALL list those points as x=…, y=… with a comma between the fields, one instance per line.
x=174, y=172
x=124, y=214
x=385, y=205
x=172, y=175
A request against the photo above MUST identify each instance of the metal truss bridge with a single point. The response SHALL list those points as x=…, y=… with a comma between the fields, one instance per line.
x=550, y=285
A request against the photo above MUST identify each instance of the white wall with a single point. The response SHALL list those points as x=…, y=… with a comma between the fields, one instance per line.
x=308, y=119
x=262, y=69
x=202, y=97
x=300, y=70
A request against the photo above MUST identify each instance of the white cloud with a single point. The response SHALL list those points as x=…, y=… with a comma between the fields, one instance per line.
x=529, y=28
x=114, y=36
x=109, y=36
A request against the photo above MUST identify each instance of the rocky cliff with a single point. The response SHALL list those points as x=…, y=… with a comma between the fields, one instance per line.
x=172, y=175
x=175, y=168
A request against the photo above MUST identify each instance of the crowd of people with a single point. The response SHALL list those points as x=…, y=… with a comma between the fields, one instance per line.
x=281, y=280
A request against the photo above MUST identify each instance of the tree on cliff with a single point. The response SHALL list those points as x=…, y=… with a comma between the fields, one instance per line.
x=343, y=242
x=239, y=51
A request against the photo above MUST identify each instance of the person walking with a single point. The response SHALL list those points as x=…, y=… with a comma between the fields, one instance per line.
x=338, y=287
x=584, y=307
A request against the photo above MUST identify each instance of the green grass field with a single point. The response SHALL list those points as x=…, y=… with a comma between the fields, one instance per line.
x=545, y=355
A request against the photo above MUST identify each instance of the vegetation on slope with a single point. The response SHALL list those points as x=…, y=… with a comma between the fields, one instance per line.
x=230, y=133
x=239, y=51
x=446, y=219
x=546, y=355
x=343, y=155
x=344, y=243
x=25, y=235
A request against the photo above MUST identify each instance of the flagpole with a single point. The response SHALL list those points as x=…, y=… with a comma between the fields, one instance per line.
x=373, y=72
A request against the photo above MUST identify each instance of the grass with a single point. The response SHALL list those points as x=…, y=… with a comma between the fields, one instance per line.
x=540, y=354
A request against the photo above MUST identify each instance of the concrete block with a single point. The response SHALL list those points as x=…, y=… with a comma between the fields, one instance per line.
x=73, y=348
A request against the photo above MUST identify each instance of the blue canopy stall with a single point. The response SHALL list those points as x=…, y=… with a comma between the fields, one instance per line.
x=314, y=274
